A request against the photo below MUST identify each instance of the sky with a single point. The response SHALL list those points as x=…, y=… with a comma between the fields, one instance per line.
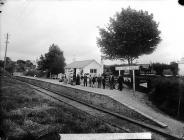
x=33, y=25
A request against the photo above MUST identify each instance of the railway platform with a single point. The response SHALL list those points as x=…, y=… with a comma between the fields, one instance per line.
x=137, y=101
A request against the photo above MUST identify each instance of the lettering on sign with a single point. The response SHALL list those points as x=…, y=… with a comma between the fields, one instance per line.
x=127, y=68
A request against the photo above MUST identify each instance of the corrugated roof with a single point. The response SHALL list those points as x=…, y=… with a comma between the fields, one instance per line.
x=79, y=64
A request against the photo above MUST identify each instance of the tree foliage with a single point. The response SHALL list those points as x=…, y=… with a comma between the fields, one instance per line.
x=174, y=68
x=53, y=61
x=166, y=94
x=160, y=67
x=129, y=34
x=10, y=65
x=1, y=63
x=28, y=63
x=20, y=67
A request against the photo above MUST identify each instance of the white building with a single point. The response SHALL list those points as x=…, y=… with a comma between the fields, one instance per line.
x=181, y=67
x=89, y=67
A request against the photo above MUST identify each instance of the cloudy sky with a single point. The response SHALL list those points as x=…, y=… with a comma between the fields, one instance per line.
x=34, y=25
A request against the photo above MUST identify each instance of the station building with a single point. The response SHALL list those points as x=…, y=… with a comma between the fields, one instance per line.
x=89, y=67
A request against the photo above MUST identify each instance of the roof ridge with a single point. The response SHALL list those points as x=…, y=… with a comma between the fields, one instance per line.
x=80, y=64
x=84, y=60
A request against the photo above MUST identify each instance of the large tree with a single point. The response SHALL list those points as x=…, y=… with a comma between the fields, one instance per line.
x=53, y=61
x=129, y=35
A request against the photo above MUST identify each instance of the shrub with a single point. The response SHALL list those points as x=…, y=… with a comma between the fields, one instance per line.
x=168, y=69
x=42, y=73
x=159, y=68
x=31, y=73
x=167, y=72
x=166, y=94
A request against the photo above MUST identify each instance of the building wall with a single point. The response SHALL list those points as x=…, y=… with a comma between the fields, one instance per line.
x=93, y=65
x=69, y=72
x=181, y=69
x=78, y=71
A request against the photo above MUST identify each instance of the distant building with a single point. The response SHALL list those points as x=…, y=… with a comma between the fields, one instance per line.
x=181, y=67
x=89, y=67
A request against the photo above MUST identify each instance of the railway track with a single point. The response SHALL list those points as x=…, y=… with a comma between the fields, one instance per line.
x=116, y=119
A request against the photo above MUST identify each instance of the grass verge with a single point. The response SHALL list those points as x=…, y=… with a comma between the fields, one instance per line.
x=27, y=115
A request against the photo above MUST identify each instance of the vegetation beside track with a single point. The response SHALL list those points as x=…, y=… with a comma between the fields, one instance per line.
x=27, y=115
x=168, y=95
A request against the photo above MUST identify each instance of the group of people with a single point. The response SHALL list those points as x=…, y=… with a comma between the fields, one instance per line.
x=91, y=81
x=98, y=81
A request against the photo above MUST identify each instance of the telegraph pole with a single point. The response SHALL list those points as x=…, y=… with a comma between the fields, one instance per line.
x=7, y=36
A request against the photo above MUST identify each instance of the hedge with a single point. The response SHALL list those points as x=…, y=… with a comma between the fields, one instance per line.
x=166, y=93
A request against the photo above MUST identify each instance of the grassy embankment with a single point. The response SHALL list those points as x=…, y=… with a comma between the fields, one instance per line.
x=27, y=115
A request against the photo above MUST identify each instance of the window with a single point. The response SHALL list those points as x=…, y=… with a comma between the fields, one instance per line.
x=93, y=70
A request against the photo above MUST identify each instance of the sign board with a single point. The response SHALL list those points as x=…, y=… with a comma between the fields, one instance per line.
x=127, y=68
x=133, y=68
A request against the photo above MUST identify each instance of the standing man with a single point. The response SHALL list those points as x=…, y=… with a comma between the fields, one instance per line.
x=111, y=81
x=99, y=80
x=85, y=80
x=93, y=81
x=120, y=83
x=90, y=80
x=74, y=79
x=103, y=81
x=78, y=80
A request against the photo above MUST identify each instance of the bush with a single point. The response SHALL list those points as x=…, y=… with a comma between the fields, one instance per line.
x=169, y=69
x=159, y=68
x=42, y=73
x=166, y=93
x=31, y=73
x=167, y=72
